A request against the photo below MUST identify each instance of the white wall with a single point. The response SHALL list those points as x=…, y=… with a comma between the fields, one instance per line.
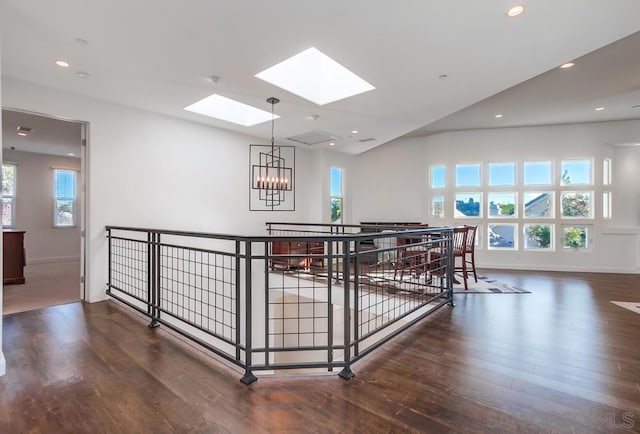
x=392, y=184
x=34, y=207
x=149, y=170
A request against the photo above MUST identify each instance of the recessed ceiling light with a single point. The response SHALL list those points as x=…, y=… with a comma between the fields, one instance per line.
x=316, y=77
x=62, y=63
x=83, y=74
x=599, y=109
x=354, y=132
x=567, y=65
x=82, y=41
x=499, y=115
x=515, y=11
x=71, y=154
x=220, y=107
x=443, y=77
x=22, y=134
x=332, y=144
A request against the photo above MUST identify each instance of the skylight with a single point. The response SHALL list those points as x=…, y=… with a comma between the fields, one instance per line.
x=316, y=77
x=220, y=107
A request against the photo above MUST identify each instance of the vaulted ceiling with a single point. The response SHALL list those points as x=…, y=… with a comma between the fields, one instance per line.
x=159, y=55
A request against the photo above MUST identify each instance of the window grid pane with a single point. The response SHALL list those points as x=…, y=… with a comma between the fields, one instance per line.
x=502, y=236
x=537, y=173
x=502, y=205
x=538, y=236
x=538, y=204
x=467, y=175
x=575, y=172
x=438, y=177
x=437, y=206
x=502, y=174
x=468, y=205
x=576, y=204
x=575, y=237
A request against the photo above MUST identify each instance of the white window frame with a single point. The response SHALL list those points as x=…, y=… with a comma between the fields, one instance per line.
x=13, y=196
x=340, y=197
x=73, y=199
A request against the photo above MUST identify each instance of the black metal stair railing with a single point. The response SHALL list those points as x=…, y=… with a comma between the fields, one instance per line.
x=304, y=297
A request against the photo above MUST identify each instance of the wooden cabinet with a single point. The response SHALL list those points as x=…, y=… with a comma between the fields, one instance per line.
x=301, y=248
x=13, y=258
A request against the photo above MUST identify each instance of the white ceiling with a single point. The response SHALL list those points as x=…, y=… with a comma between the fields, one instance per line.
x=49, y=136
x=157, y=55
x=608, y=77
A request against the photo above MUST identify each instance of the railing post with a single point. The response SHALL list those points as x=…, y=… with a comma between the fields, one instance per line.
x=238, y=305
x=346, y=372
x=329, y=306
x=248, y=377
x=450, y=266
x=154, y=278
x=356, y=288
x=109, y=269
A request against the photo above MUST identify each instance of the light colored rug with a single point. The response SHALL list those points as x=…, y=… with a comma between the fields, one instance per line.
x=633, y=306
x=47, y=284
x=486, y=285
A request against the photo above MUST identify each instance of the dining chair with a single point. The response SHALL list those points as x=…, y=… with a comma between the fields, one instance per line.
x=459, y=251
x=470, y=249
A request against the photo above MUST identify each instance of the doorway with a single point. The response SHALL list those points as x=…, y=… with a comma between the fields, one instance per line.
x=44, y=174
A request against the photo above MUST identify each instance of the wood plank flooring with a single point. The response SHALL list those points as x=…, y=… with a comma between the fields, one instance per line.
x=561, y=359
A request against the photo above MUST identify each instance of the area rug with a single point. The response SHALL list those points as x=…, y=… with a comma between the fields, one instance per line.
x=486, y=285
x=633, y=306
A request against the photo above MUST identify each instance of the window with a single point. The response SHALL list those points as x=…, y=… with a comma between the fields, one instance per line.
x=576, y=204
x=538, y=237
x=336, y=194
x=437, y=206
x=502, y=205
x=502, y=174
x=606, y=172
x=8, y=195
x=468, y=205
x=502, y=236
x=64, y=197
x=467, y=175
x=537, y=173
x=438, y=179
x=606, y=205
x=538, y=204
x=575, y=237
x=575, y=172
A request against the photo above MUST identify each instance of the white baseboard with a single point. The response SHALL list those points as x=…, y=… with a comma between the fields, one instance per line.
x=53, y=259
x=561, y=268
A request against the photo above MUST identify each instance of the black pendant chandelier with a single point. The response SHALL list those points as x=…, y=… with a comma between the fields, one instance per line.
x=271, y=176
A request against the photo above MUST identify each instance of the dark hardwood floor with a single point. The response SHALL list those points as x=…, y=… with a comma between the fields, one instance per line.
x=561, y=359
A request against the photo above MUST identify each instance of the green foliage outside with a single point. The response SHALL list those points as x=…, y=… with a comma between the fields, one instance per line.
x=576, y=205
x=575, y=238
x=507, y=208
x=539, y=236
x=336, y=210
x=8, y=179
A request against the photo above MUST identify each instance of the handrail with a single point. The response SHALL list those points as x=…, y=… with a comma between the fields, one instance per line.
x=248, y=300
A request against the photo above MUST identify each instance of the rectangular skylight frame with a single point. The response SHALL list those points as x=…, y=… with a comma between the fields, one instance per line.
x=229, y=110
x=316, y=77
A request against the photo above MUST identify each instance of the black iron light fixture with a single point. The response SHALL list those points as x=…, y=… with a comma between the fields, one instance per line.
x=272, y=177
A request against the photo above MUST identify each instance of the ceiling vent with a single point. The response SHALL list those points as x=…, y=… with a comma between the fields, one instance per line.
x=313, y=137
x=24, y=129
x=368, y=139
